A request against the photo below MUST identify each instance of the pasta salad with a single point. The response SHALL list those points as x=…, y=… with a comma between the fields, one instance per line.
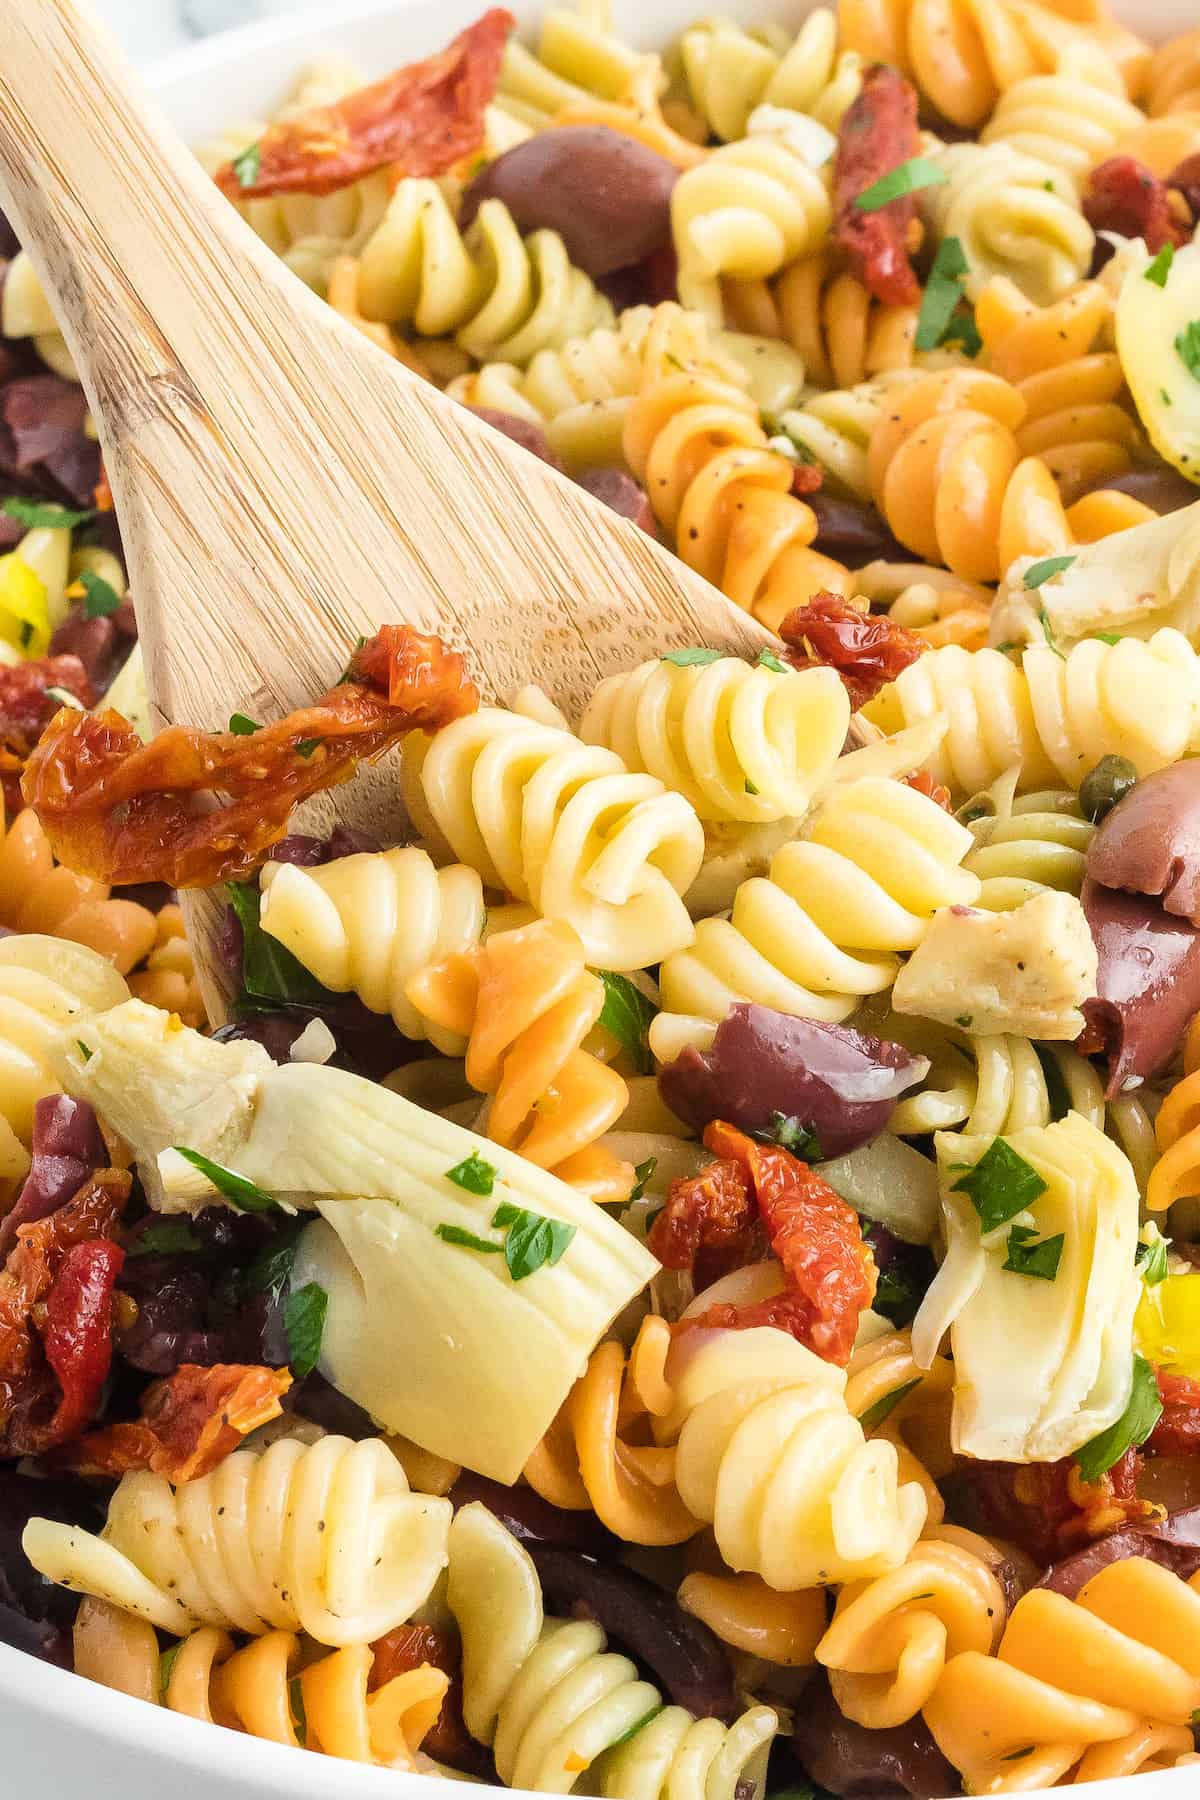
x=680, y=1278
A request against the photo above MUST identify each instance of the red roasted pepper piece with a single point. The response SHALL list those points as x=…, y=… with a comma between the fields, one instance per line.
x=878, y=132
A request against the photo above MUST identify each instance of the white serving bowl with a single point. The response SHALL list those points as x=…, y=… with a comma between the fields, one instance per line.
x=62, y=1737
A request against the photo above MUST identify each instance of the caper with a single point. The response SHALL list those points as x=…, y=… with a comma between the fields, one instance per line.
x=1112, y=778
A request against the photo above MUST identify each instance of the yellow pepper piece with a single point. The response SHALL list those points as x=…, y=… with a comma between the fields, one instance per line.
x=24, y=612
x=1166, y=1326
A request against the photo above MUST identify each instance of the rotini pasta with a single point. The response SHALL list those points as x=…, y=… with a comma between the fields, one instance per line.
x=562, y=826
x=844, y=335
x=38, y=894
x=825, y=926
x=1174, y=82
x=1013, y=215
x=576, y=60
x=503, y=297
x=940, y=607
x=1071, y=120
x=47, y=984
x=1073, y=1683
x=167, y=978
x=1054, y=716
x=835, y=429
x=728, y=72
x=1026, y=844
x=745, y=744
x=755, y=1619
x=243, y=1549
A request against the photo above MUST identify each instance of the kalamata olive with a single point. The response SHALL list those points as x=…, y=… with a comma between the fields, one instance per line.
x=67, y=1146
x=682, y=1654
x=1102, y=787
x=531, y=437
x=1148, y=982
x=1150, y=841
x=532, y=1519
x=607, y=196
x=851, y=533
x=622, y=493
x=862, y=1764
x=1173, y=1542
x=1162, y=489
x=35, y=1614
x=838, y=1082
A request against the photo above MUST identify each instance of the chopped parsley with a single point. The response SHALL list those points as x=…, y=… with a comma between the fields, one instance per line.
x=270, y=973
x=875, y=1415
x=473, y=1174
x=167, y=1237
x=454, y=1234
x=627, y=1013
x=1030, y=1255
x=1187, y=344
x=943, y=292
x=296, y=1702
x=1057, y=1091
x=347, y=673
x=100, y=598
x=241, y=726
x=1151, y=1259
x=35, y=513
x=533, y=1241
x=1000, y=1185
x=1048, y=631
x=306, y=746
x=767, y=659
x=786, y=1130
x=166, y=1664
x=247, y=166
x=690, y=657
x=242, y=1195
x=1107, y=637
x=642, y=1173
x=1046, y=570
x=304, y=1324
x=750, y=787
x=1133, y=1427
x=83, y=1050
x=908, y=178
x=1160, y=268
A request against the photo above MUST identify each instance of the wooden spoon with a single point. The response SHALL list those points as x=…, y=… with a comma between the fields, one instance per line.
x=283, y=485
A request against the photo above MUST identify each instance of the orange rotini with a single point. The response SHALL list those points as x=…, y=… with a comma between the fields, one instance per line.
x=750, y=1616
x=39, y=894
x=525, y=1000
x=1174, y=80
x=168, y=977
x=844, y=335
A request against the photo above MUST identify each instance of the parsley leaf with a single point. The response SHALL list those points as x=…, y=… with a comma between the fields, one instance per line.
x=1187, y=344
x=1046, y=569
x=1132, y=1428
x=1151, y=1259
x=35, y=513
x=533, y=1242
x=271, y=1270
x=304, y=1324
x=100, y=597
x=1107, y=637
x=689, y=658
x=241, y=726
x=247, y=166
x=964, y=332
x=1001, y=1185
x=166, y=1237
x=306, y=746
x=875, y=1415
x=1160, y=268
x=454, y=1234
x=83, y=1050
x=1048, y=631
x=1039, y=1259
x=269, y=971
x=767, y=659
x=296, y=1702
x=473, y=1174
x=243, y=1195
x=638, y=1725
x=628, y=1014
x=943, y=291
x=166, y=1664
x=643, y=1171
x=918, y=172
x=786, y=1130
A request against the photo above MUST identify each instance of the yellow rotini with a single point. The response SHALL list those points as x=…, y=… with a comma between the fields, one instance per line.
x=747, y=211
x=1012, y=215
x=749, y=744
x=825, y=927
x=1174, y=82
x=697, y=446
x=898, y=1402
x=575, y=60
x=552, y=1700
x=726, y=72
x=835, y=429
x=562, y=826
x=521, y=1004
x=1052, y=715
x=1075, y=1684
x=1175, y=1174
x=1072, y=119
x=940, y=606
x=25, y=312
x=38, y=894
x=47, y=984
x=1022, y=339
x=1025, y=843
x=963, y=56
x=503, y=297
x=827, y=315
x=751, y=1617
x=367, y=924
x=327, y=1539
x=251, y=1689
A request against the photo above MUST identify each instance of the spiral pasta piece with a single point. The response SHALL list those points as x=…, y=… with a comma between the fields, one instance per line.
x=900, y=1403
x=1175, y=1174
x=964, y=56
x=1071, y=120
x=575, y=60
x=367, y=924
x=167, y=978
x=698, y=448
x=835, y=429
x=751, y=1617
x=503, y=297
x=326, y=1538
x=747, y=211
x=521, y=1005
x=939, y=606
x=844, y=335
x=825, y=926
x=1022, y=339
x=46, y=985
x=728, y=72
x=891, y=1637
x=742, y=743
x=1174, y=84
x=1012, y=215
x=39, y=894
x=1055, y=716
x=1026, y=844
x=1072, y=1680
x=562, y=826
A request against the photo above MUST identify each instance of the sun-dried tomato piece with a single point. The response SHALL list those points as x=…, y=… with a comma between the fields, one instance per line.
x=867, y=649
x=1124, y=196
x=190, y=1422
x=829, y=1269
x=55, y=1346
x=25, y=707
x=421, y=1646
x=102, y=494
x=807, y=478
x=121, y=811
x=922, y=782
x=419, y=121
x=1047, y=1509
x=707, y=1222
x=1178, y=1430
x=878, y=132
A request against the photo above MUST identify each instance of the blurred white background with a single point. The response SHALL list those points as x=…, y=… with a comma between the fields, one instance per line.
x=151, y=27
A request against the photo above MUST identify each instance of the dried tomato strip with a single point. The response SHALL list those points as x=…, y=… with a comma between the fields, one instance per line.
x=190, y=1422
x=425, y=1646
x=867, y=649
x=77, y=1336
x=122, y=811
x=418, y=121
x=878, y=132
x=1124, y=196
x=1178, y=1430
x=707, y=1222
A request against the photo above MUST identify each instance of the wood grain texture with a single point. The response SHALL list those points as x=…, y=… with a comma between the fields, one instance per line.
x=282, y=484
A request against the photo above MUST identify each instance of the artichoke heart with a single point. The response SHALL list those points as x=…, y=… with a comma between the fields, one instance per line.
x=1158, y=338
